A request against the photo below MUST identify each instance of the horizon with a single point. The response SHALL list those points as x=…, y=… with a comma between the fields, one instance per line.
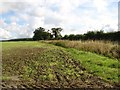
x=20, y=19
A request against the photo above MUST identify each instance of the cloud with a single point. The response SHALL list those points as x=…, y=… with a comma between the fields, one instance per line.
x=20, y=18
x=4, y=34
x=14, y=30
x=101, y=5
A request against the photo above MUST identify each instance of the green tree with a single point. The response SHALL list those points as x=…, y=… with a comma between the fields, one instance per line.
x=99, y=35
x=65, y=37
x=90, y=35
x=41, y=34
x=56, y=32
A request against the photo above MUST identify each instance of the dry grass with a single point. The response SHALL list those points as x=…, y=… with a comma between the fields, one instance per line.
x=105, y=48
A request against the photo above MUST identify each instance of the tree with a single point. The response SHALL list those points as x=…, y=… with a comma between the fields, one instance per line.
x=65, y=37
x=77, y=37
x=90, y=35
x=99, y=35
x=71, y=37
x=56, y=32
x=41, y=34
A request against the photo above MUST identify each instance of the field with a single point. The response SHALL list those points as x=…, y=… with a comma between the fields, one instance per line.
x=43, y=64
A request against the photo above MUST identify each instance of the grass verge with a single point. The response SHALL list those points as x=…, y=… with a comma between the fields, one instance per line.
x=98, y=65
x=105, y=48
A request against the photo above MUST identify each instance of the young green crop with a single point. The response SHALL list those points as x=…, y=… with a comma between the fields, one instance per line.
x=55, y=66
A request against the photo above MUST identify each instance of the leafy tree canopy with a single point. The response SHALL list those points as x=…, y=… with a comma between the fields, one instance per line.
x=41, y=34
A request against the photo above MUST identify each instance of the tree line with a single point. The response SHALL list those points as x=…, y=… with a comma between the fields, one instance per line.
x=95, y=35
x=55, y=33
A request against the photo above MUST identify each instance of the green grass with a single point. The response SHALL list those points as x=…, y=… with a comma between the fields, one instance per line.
x=11, y=45
x=98, y=65
x=6, y=78
x=42, y=62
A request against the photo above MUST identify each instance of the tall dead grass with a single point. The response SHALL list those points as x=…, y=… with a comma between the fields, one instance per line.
x=106, y=48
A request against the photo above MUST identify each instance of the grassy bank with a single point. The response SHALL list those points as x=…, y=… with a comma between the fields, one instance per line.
x=98, y=65
x=105, y=48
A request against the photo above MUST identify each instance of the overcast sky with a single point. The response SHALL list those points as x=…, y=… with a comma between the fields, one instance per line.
x=19, y=19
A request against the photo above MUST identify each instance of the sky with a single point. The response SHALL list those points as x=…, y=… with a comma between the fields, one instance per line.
x=19, y=18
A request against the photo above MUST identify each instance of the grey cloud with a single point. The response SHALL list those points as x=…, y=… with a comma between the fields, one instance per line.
x=107, y=28
x=23, y=7
x=52, y=20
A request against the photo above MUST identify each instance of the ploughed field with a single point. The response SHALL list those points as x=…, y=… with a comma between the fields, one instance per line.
x=31, y=64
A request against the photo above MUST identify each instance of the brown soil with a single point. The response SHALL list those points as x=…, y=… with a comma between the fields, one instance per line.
x=84, y=80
